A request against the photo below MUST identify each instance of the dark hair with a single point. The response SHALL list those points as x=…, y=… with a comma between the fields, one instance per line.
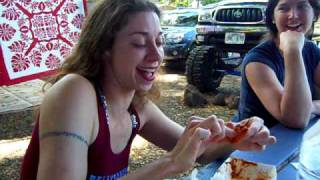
x=315, y=4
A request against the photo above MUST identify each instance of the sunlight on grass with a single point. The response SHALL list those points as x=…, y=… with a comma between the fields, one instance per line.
x=170, y=80
x=139, y=142
x=13, y=148
x=169, y=77
x=172, y=93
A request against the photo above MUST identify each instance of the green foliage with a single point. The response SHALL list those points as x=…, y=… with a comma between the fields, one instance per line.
x=205, y=2
x=183, y=4
x=179, y=3
x=186, y=3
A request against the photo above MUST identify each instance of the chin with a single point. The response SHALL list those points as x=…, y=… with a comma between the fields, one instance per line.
x=145, y=88
x=144, y=85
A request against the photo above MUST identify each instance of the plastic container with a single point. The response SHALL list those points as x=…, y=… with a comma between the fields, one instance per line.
x=309, y=158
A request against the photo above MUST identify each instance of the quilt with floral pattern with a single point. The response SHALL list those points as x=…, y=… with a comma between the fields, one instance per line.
x=36, y=36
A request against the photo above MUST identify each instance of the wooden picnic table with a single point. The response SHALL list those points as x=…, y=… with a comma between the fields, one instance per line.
x=280, y=154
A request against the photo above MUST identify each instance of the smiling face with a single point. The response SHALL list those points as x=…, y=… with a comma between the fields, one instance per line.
x=137, y=52
x=294, y=15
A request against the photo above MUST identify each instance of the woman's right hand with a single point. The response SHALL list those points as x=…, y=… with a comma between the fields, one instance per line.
x=290, y=41
x=249, y=135
x=194, y=141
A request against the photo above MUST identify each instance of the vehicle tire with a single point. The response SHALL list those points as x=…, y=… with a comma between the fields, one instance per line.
x=178, y=64
x=200, y=69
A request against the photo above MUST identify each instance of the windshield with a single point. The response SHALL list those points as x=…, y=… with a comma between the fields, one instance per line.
x=179, y=19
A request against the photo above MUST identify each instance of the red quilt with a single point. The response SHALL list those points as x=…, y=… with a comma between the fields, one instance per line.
x=36, y=35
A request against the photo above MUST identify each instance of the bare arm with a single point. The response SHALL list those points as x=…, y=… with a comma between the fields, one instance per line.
x=316, y=103
x=291, y=104
x=66, y=123
x=200, y=137
x=156, y=122
x=160, y=130
x=185, y=144
x=171, y=131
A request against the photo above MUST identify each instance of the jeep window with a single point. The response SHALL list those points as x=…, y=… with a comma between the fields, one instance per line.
x=180, y=19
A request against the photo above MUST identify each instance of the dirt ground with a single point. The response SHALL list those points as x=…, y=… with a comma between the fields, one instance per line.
x=15, y=129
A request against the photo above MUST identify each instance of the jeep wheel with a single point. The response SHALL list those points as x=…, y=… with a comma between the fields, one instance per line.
x=200, y=69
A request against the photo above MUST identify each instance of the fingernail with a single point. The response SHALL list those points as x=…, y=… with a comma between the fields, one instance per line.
x=204, y=133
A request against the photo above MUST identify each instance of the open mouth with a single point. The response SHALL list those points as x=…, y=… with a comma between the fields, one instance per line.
x=147, y=74
x=295, y=27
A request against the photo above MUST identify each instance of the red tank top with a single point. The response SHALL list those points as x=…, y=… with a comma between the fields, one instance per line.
x=103, y=164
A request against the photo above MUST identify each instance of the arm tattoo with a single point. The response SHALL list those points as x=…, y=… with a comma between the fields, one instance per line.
x=66, y=134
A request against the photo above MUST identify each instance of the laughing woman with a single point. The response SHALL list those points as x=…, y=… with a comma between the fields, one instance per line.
x=99, y=102
x=280, y=75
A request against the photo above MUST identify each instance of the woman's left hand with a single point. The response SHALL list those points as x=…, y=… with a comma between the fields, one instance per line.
x=249, y=134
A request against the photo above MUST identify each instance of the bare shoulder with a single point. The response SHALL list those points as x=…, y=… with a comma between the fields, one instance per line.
x=71, y=82
x=70, y=91
x=69, y=105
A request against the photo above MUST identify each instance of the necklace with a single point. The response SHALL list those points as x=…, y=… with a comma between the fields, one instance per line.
x=103, y=100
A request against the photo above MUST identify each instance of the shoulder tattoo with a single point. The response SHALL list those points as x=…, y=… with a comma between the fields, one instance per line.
x=65, y=134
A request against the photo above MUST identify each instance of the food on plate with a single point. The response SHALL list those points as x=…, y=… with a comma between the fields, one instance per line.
x=239, y=169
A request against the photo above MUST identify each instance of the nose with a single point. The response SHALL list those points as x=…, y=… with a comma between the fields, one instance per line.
x=293, y=13
x=155, y=52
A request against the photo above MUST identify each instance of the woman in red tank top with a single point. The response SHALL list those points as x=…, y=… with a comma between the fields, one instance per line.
x=100, y=99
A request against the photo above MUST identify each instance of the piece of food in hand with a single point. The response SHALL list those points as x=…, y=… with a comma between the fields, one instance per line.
x=240, y=129
x=239, y=169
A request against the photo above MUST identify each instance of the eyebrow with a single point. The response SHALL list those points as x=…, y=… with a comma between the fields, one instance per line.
x=303, y=1
x=143, y=33
x=299, y=2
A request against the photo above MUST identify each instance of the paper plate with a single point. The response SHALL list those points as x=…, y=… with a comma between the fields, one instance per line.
x=238, y=169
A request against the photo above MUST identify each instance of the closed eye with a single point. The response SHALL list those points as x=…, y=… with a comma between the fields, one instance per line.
x=283, y=8
x=137, y=45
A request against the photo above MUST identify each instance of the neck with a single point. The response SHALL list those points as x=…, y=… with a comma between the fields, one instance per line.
x=118, y=99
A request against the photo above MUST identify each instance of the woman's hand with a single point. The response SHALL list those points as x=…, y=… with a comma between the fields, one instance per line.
x=249, y=135
x=194, y=141
x=290, y=41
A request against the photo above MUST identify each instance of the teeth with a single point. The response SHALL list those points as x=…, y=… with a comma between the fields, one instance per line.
x=294, y=25
x=150, y=70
